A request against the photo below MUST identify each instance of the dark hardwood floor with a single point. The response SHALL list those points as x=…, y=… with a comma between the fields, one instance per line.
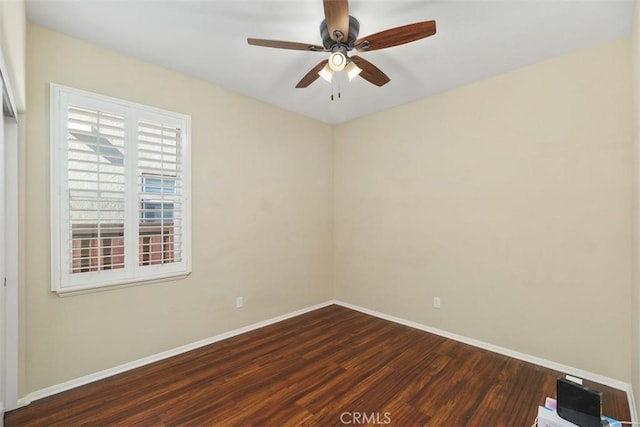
x=329, y=367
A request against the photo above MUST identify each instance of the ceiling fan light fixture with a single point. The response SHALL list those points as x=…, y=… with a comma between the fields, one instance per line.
x=326, y=73
x=337, y=61
x=339, y=32
x=352, y=70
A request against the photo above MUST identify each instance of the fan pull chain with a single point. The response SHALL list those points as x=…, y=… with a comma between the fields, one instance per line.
x=333, y=89
x=332, y=85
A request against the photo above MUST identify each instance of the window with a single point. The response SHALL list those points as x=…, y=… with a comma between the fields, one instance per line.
x=119, y=192
x=153, y=206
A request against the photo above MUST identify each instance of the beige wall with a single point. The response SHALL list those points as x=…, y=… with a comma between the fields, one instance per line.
x=13, y=46
x=510, y=199
x=262, y=207
x=635, y=339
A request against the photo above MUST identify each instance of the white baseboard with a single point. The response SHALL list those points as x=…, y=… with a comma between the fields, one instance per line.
x=601, y=379
x=632, y=404
x=68, y=385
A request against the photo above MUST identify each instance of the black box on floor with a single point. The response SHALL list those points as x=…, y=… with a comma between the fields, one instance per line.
x=579, y=404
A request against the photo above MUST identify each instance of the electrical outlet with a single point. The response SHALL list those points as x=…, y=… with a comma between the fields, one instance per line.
x=239, y=302
x=436, y=302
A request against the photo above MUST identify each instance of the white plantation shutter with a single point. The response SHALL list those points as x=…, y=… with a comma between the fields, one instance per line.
x=96, y=187
x=160, y=175
x=120, y=184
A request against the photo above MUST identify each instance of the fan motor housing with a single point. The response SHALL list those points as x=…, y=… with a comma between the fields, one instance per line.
x=328, y=42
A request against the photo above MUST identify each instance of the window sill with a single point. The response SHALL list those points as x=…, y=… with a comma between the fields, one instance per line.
x=77, y=290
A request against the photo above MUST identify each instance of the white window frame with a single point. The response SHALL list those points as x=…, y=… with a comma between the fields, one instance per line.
x=62, y=280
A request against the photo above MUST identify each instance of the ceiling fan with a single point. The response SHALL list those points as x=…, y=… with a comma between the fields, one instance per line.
x=339, y=32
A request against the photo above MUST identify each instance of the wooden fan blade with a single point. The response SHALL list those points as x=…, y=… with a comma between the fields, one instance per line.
x=370, y=72
x=285, y=45
x=312, y=75
x=397, y=36
x=336, y=14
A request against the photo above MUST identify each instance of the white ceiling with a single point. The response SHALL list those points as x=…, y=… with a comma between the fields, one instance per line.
x=475, y=39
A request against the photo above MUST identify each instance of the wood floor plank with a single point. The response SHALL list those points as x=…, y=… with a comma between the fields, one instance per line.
x=329, y=367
